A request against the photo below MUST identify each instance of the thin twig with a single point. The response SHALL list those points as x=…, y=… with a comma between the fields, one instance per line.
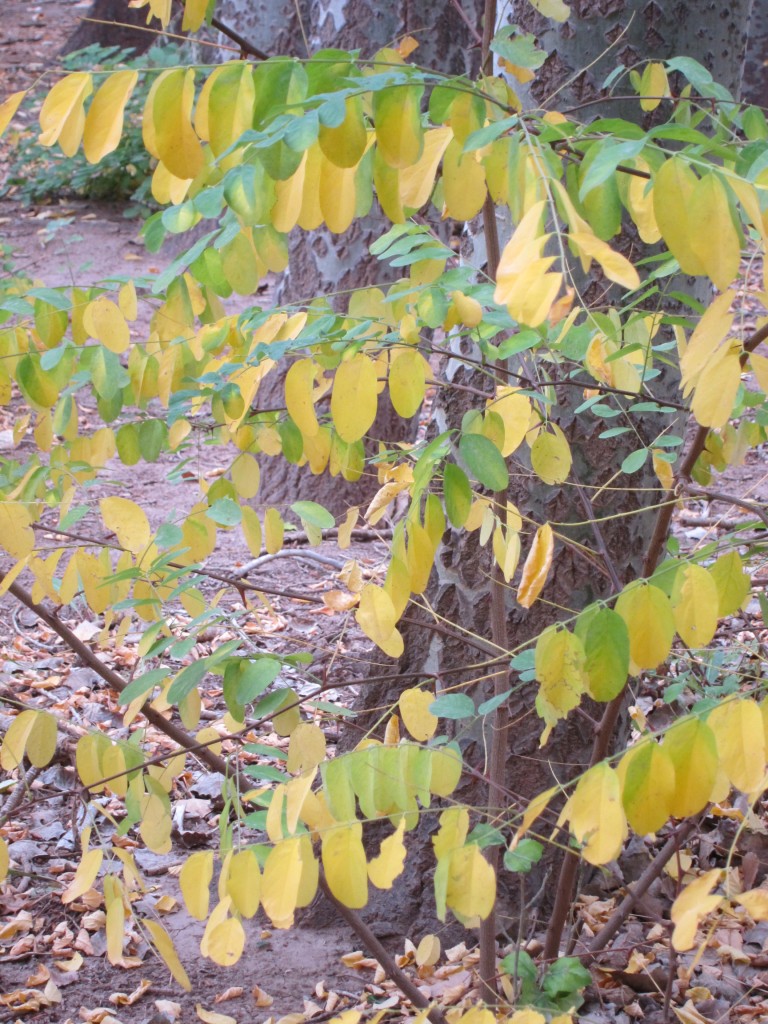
x=727, y=499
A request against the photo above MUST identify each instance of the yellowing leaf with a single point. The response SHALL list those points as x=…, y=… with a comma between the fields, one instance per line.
x=354, y=397
x=62, y=118
x=717, y=241
x=414, y=707
x=738, y=729
x=397, y=115
x=691, y=747
x=471, y=885
x=654, y=85
x=717, y=385
x=560, y=662
x=515, y=412
x=104, y=122
x=345, y=866
x=537, y=566
x=648, y=614
x=692, y=906
x=274, y=530
x=211, y=1016
x=163, y=943
x=532, y=812
x=85, y=876
x=103, y=320
x=9, y=107
x=558, y=11
x=128, y=522
x=615, y=266
x=464, y=188
x=4, y=860
x=16, y=534
x=551, y=456
x=384, y=869
x=694, y=605
x=377, y=619
x=195, y=880
x=648, y=783
x=732, y=583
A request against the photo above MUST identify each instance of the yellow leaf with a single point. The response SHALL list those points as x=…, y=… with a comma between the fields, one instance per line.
x=454, y=826
x=407, y=382
x=299, y=387
x=515, y=412
x=104, y=321
x=16, y=534
x=163, y=943
x=246, y=475
x=506, y=551
x=385, y=868
x=532, y=812
x=195, y=880
x=274, y=529
x=464, y=188
x=418, y=180
x=211, y=1016
x=127, y=301
x=692, y=906
x=616, y=267
x=654, y=86
x=9, y=107
x=115, y=927
x=558, y=11
x=281, y=881
x=759, y=365
x=15, y=739
x=663, y=470
x=5, y=859
x=354, y=397
x=648, y=784
x=648, y=615
x=244, y=883
x=169, y=107
x=694, y=605
x=338, y=195
x=537, y=566
x=377, y=619
x=345, y=866
x=691, y=747
x=560, y=660
x=288, y=716
x=428, y=951
x=717, y=385
x=529, y=1016
x=711, y=331
x=471, y=888
x=226, y=942
x=128, y=522
x=673, y=188
x=345, y=144
x=306, y=748
x=104, y=122
x=251, y=527
x=755, y=902
x=717, y=241
x=62, y=118
x=418, y=719
x=596, y=814
x=85, y=876
x=194, y=15
x=551, y=456
x=732, y=583
x=738, y=729
x=41, y=742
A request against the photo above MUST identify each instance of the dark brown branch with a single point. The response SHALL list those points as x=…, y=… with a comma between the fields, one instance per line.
x=374, y=946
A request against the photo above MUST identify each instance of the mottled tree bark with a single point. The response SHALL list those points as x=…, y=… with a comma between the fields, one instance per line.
x=120, y=33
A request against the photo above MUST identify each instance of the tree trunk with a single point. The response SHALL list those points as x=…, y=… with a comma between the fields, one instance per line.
x=119, y=33
x=459, y=591
x=321, y=263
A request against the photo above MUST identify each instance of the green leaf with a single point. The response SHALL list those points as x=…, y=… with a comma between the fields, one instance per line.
x=492, y=703
x=457, y=493
x=314, y=514
x=634, y=461
x=187, y=680
x=527, y=853
x=606, y=646
x=142, y=685
x=484, y=461
x=453, y=705
x=225, y=512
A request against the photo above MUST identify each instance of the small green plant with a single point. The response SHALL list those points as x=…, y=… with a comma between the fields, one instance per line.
x=39, y=174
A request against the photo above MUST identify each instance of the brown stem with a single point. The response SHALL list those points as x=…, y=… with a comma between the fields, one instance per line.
x=727, y=499
x=639, y=889
x=115, y=681
x=373, y=944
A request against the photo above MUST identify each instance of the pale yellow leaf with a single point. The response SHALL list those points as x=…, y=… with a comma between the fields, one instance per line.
x=385, y=868
x=104, y=121
x=738, y=729
x=354, y=398
x=414, y=707
x=195, y=880
x=346, y=870
x=127, y=521
x=163, y=943
x=537, y=566
x=597, y=816
x=692, y=906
